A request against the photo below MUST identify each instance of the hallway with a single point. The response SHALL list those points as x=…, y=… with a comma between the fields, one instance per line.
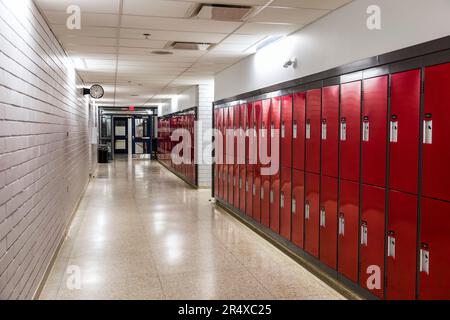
x=141, y=233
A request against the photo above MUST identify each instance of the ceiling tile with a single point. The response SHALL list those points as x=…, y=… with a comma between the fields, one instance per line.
x=87, y=19
x=96, y=6
x=311, y=4
x=268, y=28
x=157, y=8
x=288, y=15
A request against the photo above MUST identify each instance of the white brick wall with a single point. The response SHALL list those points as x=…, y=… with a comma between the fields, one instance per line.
x=44, y=146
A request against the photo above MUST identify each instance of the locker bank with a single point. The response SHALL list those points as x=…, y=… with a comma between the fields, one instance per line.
x=224, y=150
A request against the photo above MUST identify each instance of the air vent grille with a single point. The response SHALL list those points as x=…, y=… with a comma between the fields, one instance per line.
x=178, y=45
x=221, y=12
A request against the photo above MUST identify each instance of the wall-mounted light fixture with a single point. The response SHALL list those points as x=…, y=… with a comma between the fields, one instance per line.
x=290, y=63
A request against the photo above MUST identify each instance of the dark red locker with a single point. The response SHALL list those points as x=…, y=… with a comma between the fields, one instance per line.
x=401, y=251
x=285, y=203
x=230, y=184
x=350, y=131
x=275, y=118
x=312, y=214
x=372, y=239
x=241, y=143
x=434, y=262
x=224, y=134
x=256, y=119
x=348, y=226
x=312, y=130
x=298, y=131
x=230, y=136
x=374, y=131
x=241, y=185
x=216, y=154
x=286, y=131
x=298, y=200
x=264, y=136
x=436, y=133
x=274, y=198
x=236, y=126
x=248, y=191
x=265, y=201
x=328, y=219
x=256, y=190
x=404, y=131
x=225, y=178
x=249, y=135
x=330, y=130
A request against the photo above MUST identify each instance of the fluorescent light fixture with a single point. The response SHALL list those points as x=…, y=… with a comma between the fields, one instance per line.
x=263, y=43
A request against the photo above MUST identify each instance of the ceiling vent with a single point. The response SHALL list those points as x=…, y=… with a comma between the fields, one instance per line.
x=161, y=52
x=179, y=45
x=221, y=12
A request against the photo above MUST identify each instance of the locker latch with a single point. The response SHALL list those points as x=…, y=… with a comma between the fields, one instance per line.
x=391, y=244
x=234, y=181
x=365, y=136
x=322, y=217
x=424, y=258
x=294, y=205
x=341, y=224
x=246, y=186
x=282, y=200
x=282, y=129
x=364, y=233
x=294, y=129
x=271, y=196
x=262, y=193
x=254, y=190
x=240, y=183
x=428, y=129
x=307, y=206
x=343, y=131
x=272, y=130
x=308, y=129
x=324, y=129
x=394, y=129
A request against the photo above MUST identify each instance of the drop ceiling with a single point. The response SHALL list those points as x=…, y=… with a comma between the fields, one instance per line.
x=111, y=49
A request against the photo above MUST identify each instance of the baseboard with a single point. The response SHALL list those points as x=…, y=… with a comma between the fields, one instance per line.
x=178, y=175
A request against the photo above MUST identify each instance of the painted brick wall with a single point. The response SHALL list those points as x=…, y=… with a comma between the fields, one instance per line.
x=44, y=146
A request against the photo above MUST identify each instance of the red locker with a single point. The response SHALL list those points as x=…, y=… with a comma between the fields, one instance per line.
x=230, y=136
x=312, y=130
x=328, y=220
x=256, y=193
x=298, y=131
x=224, y=134
x=265, y=201
x=249, y=136
x=404, y=131
x=350, y=131
x=274, y=198
x=220, y=181
x=285, y=203
x=434, y=278
x=241, y=184
x=242, y=155
x=286, y=131
x=298, y=200
x=401, y=252
x=230, y=184
x=236, y=125
x=330, y=130
x=374, y=131
x=225, y=182
x=256, y=119
x=348, y=224
x=275, y=117
x=436, y=133
x=248, y=191
x=372, y=239
x=312, y=214
x=265, y=132
x=217, y=158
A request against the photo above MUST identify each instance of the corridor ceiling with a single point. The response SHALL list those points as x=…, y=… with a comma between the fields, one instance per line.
x=111, y=49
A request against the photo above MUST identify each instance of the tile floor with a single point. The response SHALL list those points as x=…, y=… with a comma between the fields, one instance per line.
x=141, y=233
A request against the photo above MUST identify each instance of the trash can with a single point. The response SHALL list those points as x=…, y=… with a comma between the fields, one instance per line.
x=103, y=153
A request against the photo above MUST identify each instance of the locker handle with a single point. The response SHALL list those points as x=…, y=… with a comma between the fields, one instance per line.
x=343, y=130
x=365, y=136
x=341, y=224
x=391, y=244
x=322, y=217
x=246, y=186
x=308, y=129
x=424, y=259
x=261, y=193
x=294, y=129
x=307, y=206
x=324, y=129
x=394, y=131
x=364, y=233
x=240, y=183
x=282, y=129
x=294, y=205
x=428, y=131
x=271, y=196
x=282, y=200
x=254, y=190
x=234, y=181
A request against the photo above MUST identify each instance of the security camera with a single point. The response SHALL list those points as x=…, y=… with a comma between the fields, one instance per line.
x=292, y=62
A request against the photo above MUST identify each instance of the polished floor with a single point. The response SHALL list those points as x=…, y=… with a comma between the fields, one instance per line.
x=141, y=233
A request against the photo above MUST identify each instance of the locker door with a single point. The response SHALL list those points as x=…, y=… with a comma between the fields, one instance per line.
x=236, y=125
x=436, y=153
x=372, y=237
x=264, y=132
x=350, y=131
x=286, y=131
x=328, y=220
x=222, y=152
x=275, y=127
x=256, y=119
x=248, y=191
x=274, y=198
x=230, y=136
x=374, y=131
x=298, y=205
x=401, y=253
x=249, y=147
x=434, y=278
x=298, y=131
x=312, y=214
x=330, y=130
x=241, y=185
x=225, y=178
x=404, y=131
x=285, y=203
x=348, y=224
x=256, y=193
x=265, y=201
x=230, y=184
x=216, y=154
x=312, y=135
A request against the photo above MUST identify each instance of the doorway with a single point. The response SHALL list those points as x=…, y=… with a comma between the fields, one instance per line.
x=120, y=135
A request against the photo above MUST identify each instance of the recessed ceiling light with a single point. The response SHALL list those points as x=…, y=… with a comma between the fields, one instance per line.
x=161, y=52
